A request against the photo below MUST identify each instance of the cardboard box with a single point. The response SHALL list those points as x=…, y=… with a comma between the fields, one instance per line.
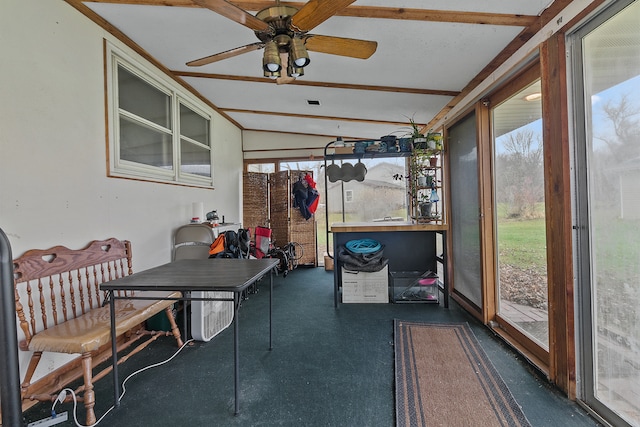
x=347, y=149
x=328, y=262
x=361, y=286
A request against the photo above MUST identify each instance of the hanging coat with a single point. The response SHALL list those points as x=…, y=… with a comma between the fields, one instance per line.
x=313, y=197
x=300, y=194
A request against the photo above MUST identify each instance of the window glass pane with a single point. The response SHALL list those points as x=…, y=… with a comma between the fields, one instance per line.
x=379, y=196
x=141, y=144
x=142, y=99
x=301, y=165
x=194, y=126
x=520, y=219
x=261, y=167
x=611, y=62
x=195, y=159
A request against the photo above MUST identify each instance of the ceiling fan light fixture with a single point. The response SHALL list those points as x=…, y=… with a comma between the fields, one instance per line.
x=293, y=71
x=272, y=74
x=298, y=53
x=271, y=58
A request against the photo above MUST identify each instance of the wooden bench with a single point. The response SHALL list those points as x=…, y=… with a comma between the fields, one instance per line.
x=60, y=309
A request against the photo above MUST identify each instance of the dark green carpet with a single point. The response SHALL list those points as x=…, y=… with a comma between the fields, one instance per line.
x=328, y=367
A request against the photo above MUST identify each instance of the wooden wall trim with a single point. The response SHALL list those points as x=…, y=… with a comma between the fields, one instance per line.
x=478, y=18
x=488, y=246
x=562, y=360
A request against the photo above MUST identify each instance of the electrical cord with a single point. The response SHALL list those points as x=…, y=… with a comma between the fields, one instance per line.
x=63, y=393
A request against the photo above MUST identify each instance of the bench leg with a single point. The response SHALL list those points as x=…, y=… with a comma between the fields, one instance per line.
x=33, y=364
x=89, y=395
x=174, y=327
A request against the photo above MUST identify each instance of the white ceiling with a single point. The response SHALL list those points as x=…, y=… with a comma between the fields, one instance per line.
x=415, y=54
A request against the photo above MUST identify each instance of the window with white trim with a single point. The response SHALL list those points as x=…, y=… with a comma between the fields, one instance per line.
x=158, y=132
x=348, y=196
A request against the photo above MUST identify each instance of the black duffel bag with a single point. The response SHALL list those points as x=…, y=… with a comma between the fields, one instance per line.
x=374, y=261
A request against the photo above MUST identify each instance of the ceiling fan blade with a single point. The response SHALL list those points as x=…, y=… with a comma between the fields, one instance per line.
x=352, y=48
x=234, y=13
x=315, y=12
x=226, y=54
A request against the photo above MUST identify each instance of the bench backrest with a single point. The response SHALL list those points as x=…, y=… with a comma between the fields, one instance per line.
x=58, y=284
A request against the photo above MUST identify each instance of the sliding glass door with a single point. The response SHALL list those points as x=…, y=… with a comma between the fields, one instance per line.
x=606, y=55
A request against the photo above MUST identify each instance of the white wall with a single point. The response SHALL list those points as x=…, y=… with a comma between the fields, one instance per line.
x=53, y=184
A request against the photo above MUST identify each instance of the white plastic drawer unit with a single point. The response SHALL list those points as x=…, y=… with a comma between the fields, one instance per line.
x=362, y=287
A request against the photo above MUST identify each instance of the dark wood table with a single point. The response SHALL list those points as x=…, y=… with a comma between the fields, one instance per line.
x=192, y=275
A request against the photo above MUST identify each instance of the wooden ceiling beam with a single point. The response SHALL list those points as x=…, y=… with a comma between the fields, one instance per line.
x=479, y=18
x=556, y=7
x=409, y=14
x=393, y=89
x=313, y=116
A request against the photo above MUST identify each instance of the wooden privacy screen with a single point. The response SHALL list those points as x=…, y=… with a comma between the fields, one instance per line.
x=268, y=202
x=256, y=200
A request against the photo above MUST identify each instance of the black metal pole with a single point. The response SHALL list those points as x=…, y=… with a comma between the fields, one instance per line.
x=271, y=309
x=326, y=198
x=9, y=365
x=114, y=348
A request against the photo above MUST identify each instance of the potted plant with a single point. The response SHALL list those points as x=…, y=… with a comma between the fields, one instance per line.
x=433, y=147
x=418, y=139
x=414, y=135
x=434, y=141
x=425, y=209
x=420, y=162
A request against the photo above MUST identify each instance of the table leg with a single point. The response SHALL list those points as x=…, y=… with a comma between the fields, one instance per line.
x=114, y=350
x=336, y=272
x=185, y=332
x=270, y=310
x=236, y=351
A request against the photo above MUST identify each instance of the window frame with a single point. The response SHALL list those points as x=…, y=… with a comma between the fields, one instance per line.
x=178, y=96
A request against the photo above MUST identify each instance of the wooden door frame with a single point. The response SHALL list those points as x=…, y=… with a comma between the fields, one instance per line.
x=557, y=161
x=527, y=346
x=559, y=363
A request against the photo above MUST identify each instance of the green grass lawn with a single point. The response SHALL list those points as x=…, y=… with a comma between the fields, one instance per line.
x=616, y=243
x=523, y=244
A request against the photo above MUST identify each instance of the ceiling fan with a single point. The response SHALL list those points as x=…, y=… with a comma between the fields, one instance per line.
x=283, y=32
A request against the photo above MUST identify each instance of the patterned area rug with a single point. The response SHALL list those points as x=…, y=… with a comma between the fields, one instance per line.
x=444, y=378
